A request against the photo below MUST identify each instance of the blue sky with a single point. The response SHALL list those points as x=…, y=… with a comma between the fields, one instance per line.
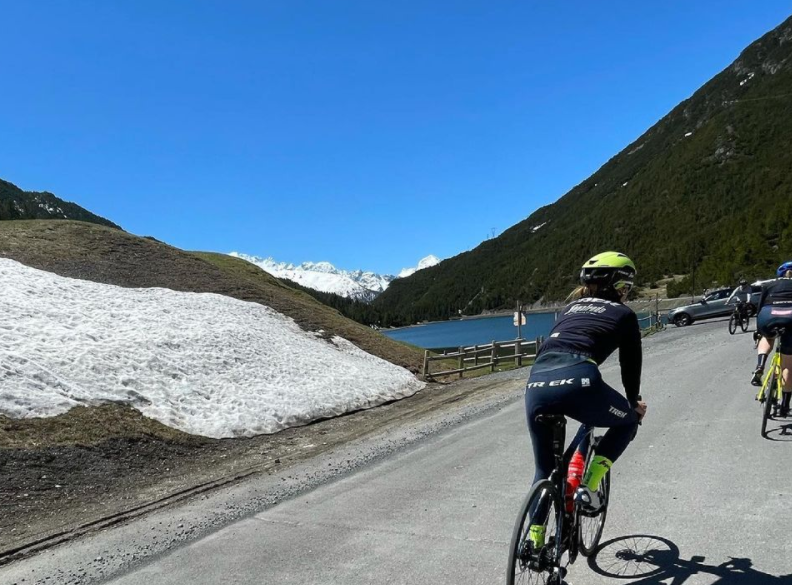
x=368, y=134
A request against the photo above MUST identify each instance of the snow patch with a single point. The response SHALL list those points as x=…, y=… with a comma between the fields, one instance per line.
x=536, y=228
x=688, y=134
x=201, y=363
x=747, y=79
x=49, y=209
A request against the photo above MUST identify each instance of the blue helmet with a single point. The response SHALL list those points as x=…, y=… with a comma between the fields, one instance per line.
x=783, y=269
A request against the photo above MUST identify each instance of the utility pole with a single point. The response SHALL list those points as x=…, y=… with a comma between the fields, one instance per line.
x=693, y=283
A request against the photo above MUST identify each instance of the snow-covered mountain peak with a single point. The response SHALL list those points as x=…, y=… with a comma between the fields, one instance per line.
x=426, y=262
x=320, y=267
x=323, y=276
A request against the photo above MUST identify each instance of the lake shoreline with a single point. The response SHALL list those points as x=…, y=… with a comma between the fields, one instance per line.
x=638, y=305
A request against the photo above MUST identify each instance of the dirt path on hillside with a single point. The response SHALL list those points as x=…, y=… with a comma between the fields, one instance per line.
x=53, y=484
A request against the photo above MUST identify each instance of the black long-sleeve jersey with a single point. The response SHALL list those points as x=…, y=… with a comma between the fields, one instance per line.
x=594, y=328
x=776, y=292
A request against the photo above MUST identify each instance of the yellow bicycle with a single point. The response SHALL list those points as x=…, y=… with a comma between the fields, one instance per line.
x=769, y=395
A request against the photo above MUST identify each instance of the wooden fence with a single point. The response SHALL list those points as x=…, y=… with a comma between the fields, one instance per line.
x=652, y=322
x=477, y=357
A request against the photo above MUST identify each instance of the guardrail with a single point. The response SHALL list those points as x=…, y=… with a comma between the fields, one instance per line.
x=495, y=353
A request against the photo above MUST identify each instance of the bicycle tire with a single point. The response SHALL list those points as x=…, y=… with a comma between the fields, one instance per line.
x=519, y=571
x=769, y=399
x=745, y=322
x=589, y=528
x=732, y=324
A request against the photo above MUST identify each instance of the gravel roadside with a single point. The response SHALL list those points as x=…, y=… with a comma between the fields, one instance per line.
x=51, y=493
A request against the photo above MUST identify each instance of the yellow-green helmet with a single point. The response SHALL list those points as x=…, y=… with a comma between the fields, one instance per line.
x=609, y=270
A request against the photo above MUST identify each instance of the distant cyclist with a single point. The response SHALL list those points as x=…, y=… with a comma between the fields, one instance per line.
x=775, y=310
x=565, y=378
x=741, y=296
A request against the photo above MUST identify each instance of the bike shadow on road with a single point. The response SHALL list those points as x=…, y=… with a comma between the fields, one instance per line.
x=643, y=559
x=782, y=434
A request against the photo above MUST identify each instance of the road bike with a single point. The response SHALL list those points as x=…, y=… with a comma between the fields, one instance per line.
x=571, y=532
x=739, y=317
x=770, y=394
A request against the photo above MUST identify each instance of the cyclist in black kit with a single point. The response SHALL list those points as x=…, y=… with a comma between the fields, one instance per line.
x=775, y=310
x=565, y=378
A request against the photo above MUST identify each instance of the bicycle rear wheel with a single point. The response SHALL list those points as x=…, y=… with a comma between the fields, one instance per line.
x=769, y=400
x=526, y=565
x=589, y=528
x=732, y=324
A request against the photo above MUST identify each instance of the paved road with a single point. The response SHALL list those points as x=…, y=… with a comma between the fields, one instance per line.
x=699, y=482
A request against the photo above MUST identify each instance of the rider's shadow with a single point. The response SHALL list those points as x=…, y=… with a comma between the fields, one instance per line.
x=652, y=560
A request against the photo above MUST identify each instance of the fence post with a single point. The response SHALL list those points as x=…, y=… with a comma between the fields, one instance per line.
x=475, y=355
x=517, y=353
x=493, y=356
x=426, y=363
x=657, y=310
x=461, y=363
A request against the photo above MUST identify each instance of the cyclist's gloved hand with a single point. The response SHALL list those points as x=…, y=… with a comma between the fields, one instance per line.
x=640, y=408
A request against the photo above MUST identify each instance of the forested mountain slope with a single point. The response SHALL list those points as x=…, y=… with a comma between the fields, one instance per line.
x=18, y=204
x=707, y=191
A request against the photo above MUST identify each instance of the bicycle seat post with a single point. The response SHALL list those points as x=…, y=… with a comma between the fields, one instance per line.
x=559, y=436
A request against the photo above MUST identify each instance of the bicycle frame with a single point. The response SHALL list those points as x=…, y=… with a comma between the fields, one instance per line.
x=566, y=522
x=775, y=368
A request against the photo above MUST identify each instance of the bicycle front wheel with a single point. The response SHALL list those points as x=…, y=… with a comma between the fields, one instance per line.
x=769, y=401
x=732, y=324
x=527, y=565
x=589, y=528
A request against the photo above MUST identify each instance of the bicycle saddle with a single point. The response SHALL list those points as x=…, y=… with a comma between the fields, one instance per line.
x=551, y=419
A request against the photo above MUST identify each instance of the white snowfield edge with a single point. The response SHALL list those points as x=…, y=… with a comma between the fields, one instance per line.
x=202, y=363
